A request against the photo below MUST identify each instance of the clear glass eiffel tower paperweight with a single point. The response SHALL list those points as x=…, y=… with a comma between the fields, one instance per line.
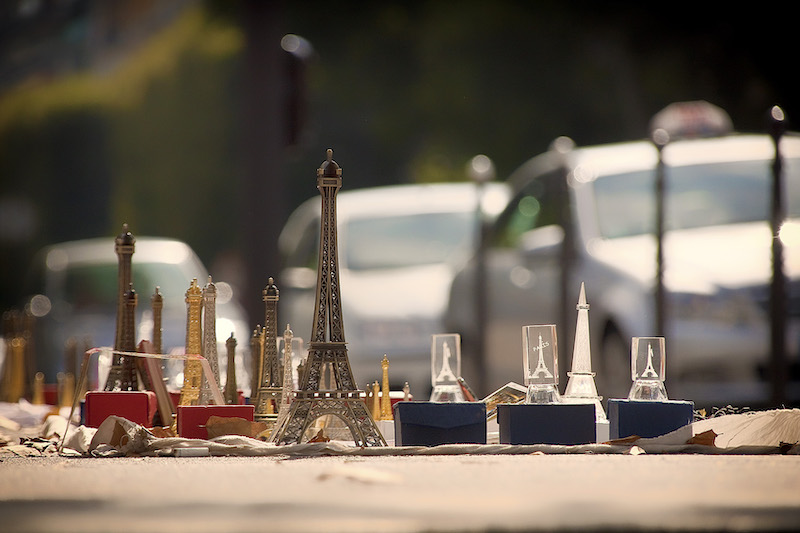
x=446, y=368
x=541, y=363
x=648, y=365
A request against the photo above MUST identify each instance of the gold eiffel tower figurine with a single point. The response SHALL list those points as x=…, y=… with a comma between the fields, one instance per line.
x=192, y=369
x=386, y=402
x=268, y=396
x=327, y=344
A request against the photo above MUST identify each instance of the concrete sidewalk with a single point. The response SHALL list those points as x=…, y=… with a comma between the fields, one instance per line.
x=403, y=494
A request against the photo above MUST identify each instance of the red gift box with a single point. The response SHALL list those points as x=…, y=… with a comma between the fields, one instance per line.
x=136, y=406
x=192, y=418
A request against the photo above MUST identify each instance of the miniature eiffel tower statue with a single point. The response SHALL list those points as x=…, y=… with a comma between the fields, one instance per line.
x=256, y=351
x=209, y=338
x=540, y=344
x=386, y=401
x=268, y=396
x=581, y=387
x=192, y=369
x=231, y=390
x=327, y=343
x=122, y=375
x=444, y=348
x=288, y=381
x=649, y=383
x=157, y=305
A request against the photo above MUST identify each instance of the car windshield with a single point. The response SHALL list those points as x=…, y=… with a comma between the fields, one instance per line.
x=409, y=240
x=95, y=286
x=695, y=196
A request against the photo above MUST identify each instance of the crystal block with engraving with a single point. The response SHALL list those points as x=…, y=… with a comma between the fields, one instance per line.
x=540, y=346
x=648, y=365
x=446, y=368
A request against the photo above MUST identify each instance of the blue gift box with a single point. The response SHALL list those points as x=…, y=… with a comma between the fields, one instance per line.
x=646, y=418
x=553, y=423
x=434, y=423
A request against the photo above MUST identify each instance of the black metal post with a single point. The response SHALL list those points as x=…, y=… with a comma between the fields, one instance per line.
x=481, y=170
x=567, y=293
x=660, y=138
x=777, y=306
x=481, y=301
x=264, y=187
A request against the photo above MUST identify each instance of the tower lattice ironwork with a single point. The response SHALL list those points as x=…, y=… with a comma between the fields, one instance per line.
x=327, y=345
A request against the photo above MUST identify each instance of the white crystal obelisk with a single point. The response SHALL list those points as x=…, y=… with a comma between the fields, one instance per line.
x=581, y=387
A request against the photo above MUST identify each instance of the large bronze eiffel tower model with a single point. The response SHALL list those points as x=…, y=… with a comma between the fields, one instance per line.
x=327, y=346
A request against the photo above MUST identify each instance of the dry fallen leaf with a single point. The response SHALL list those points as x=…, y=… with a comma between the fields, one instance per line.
x=216, y=426
x=162, y=432
x=320, y=437
x=706, y=438
x=625, y=440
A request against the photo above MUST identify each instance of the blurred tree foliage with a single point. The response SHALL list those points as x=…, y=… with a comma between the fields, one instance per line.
x=151, y=144
x=402, y=91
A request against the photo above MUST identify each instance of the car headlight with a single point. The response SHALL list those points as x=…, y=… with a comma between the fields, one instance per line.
x=731, y=308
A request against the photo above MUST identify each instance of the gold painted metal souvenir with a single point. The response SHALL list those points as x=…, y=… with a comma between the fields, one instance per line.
x=192, y=370
x=386, y=402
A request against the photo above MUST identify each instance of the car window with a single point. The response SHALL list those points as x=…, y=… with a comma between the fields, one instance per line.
x=408, y=240
x=535, y=206
x=89, y=287
x=306, y=250
x=696, y=196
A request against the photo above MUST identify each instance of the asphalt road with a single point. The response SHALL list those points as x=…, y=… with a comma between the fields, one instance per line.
x=402, y=493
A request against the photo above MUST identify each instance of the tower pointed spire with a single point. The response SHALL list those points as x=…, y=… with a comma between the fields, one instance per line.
x=581, y=387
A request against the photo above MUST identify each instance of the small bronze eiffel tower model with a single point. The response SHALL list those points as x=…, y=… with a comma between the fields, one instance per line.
x=268, y=397
x=327, y=346
x=122, y=375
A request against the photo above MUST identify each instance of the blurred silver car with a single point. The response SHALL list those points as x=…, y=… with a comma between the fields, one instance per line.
x=75, y=296
x=600, y=201
x=399, y=247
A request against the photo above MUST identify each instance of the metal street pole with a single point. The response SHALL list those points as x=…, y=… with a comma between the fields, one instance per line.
x=778, y=287
x=660, y=138
x=481, y=170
